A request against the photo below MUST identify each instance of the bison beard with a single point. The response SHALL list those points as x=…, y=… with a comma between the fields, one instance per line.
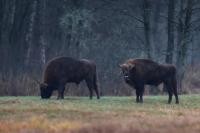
x=139, y=72
x=62, y=70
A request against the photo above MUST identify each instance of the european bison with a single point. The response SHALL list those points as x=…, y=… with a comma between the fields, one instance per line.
x=62, y=70
x=139, y=72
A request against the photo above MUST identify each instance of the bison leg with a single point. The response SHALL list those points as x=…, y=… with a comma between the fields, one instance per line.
x=170, y=97
x=91, y=83
x=175, y=90
x=169, y=89
x=90, y=86
x=97, y=92
x=61, y=92
x=96, y=89
x=141, y=96
x=139, y=93
x=176, y=96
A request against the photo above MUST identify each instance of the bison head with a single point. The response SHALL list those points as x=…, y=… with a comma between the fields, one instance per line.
x=45, y=91
x=126, y=70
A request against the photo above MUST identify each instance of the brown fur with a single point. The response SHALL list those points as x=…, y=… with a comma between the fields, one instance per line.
x=138, y=72
x=62, y=70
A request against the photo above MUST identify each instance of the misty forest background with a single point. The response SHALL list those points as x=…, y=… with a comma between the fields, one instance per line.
x=107, y=31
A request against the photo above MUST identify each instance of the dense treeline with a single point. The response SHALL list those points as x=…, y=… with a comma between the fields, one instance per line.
x=107, y=31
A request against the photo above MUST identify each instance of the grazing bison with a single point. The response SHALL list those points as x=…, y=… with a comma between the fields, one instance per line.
x=62, y=70
x=139, y=72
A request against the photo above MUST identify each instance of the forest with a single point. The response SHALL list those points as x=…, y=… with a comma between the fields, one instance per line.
x=32, y=32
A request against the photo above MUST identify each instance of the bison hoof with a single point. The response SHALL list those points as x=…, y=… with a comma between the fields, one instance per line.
x=44, y=98
x=139, y=102
x=60, y=98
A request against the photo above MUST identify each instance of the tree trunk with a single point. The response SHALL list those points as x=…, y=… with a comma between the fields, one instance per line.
x=183, y=40
x=146, y=19
x=29, y=35
x=7, y=17
x=170, y=43
x=42, y=37
x=39, y=35
x=155, y=32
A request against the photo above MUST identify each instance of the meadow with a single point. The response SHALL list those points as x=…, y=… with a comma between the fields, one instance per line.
x=107, y=115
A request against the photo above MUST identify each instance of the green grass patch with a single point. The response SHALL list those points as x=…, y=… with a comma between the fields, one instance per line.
x=84, y=111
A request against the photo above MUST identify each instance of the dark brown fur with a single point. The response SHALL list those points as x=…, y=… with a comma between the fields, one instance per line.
x=140, y=72
x=62, y=70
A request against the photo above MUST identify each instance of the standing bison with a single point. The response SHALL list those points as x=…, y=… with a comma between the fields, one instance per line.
x=62, y=70
x=139, y=72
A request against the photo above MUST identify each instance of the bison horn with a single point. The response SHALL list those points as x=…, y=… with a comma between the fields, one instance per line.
x=123, y=65
x=43, y=85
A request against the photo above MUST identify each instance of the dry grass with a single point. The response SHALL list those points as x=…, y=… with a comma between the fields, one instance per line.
x=110, y=114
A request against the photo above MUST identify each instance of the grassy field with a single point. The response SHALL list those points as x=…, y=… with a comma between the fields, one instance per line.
x=109, y=114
